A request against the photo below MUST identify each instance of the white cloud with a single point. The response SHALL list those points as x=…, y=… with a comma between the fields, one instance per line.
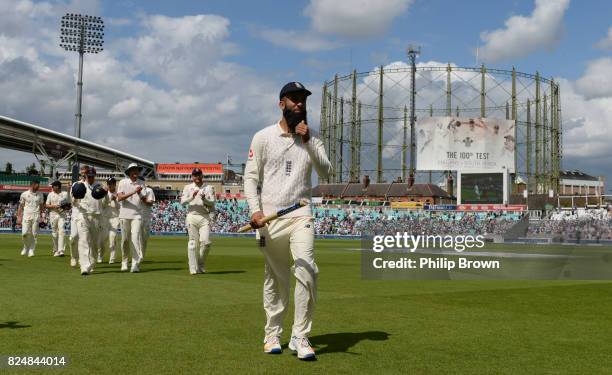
x=597, y=79
x=524, y=35
x=124, y=108
x=191, y=105
x=348, y=19
x=118, y=21
x=606, y=43
x=587, y=124
x=305, y=41
x=181, y=50
x=354, y=18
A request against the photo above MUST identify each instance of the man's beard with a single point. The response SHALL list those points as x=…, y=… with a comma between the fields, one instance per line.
x=293, y=118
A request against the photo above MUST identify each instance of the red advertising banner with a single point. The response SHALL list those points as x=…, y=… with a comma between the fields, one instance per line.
x=491, y=207
x=187, y=168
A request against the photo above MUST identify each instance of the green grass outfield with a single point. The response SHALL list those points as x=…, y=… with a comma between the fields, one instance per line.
x=164, y=320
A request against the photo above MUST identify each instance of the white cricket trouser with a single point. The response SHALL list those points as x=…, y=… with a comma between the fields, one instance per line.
x=74, y=237
x=87, y=228
x=108, y=236
x=131, y=237
x=29, y=231
x=109, y=230
x=282, y=240
x=198, y=228
x=146, y=232
x=57, y=232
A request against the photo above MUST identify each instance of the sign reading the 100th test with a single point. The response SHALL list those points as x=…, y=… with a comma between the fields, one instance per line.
x=465, y=144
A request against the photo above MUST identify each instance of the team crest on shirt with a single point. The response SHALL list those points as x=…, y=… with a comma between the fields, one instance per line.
x=250, y=154
x=288, y=166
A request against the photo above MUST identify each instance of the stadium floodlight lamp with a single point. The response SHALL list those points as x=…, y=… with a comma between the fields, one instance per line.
x=83, y=34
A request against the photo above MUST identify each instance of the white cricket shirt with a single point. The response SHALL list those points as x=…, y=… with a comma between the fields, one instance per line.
x=201, y=205
x=88, y=205
x=130, y=208
x=146, y=209
x=111, y=210
x=282, y=165
x=31, y=202
x=56, y=199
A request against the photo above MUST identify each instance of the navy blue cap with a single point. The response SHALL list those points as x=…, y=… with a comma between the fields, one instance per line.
x=56, y=183
x=78, y=190
x=98, y=192
x=91, y=172
x=293, y=87
x=111, y=180
x=196, y=171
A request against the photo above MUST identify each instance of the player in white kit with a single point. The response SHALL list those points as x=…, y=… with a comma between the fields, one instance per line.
x=109, y=223
x=280, y=162
x=147, y=206
x=29, y=216
x=74, y=216
x=130, y=214
x=200, y=202
x=57, y=200
x=89, y=206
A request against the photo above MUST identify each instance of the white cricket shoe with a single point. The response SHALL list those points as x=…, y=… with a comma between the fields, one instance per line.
x=99, y=259
x=57, y=254
x=272, y=345
x=302, y=346
x=73, y=262
x=24, y=252
x=31, y=253
x=124, y=267
x=135, y=269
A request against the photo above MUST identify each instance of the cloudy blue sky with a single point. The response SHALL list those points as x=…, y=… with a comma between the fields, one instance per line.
x=193, y=80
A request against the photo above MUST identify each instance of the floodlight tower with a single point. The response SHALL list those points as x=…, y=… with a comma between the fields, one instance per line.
x=413, y=51
x=82, y=34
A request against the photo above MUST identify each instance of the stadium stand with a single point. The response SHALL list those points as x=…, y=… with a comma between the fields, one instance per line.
x=351, y=220
x=574, y=225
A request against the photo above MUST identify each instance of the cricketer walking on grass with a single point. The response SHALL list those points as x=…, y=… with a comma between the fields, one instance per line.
x=29, y=215
x=200, y=202
x=56, y=201
x=130, y=196
x=109, y=223
x=280, y=161
x=89, y=205
x=147, y=211
x=73, y=240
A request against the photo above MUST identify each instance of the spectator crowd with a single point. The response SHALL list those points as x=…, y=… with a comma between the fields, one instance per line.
x=389, y=221
x=231, y=214
x=577, y=224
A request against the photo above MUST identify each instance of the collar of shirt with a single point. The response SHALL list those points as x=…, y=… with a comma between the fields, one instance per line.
x=288, y=137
